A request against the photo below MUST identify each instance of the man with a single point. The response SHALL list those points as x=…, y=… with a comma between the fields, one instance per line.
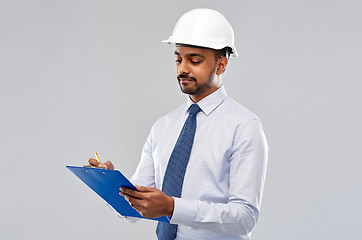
x=203, y=165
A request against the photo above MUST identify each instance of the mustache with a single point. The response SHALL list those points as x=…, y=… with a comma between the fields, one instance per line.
x=186, y=76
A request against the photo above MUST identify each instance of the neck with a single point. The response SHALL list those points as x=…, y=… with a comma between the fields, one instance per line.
x=198, y=98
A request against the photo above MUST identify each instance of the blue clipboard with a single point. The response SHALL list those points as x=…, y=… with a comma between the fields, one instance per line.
x=106, y=184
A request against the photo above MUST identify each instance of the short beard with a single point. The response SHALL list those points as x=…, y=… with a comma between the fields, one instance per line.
x=200, y=88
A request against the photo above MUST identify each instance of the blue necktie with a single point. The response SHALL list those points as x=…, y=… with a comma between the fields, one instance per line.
x=176, y=168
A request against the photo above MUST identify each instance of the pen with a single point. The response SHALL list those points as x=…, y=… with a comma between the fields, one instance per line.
x=97, y=157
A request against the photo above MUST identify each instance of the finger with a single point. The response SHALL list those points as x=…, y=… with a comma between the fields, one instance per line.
x=93, y=162
x=126, y=197
x=134, y=202
x=127, y=191
x=109, y=165
x=103, y=165
x=131, y=192
x=145, y=189
x=138, y=208
x=140, y=212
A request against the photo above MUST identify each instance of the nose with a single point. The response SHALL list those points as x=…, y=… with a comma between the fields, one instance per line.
x=183, y=68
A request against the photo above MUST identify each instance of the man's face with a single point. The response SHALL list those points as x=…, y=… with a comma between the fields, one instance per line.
x=196, y=70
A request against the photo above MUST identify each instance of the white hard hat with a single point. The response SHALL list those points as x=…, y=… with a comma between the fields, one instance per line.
x=204, y=28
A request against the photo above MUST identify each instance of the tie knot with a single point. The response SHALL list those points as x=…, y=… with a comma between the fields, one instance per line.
x=194, y=109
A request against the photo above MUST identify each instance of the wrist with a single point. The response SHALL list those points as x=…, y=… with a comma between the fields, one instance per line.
x=170, y=207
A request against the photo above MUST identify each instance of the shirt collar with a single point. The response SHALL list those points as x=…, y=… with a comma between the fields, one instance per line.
x=210, y=102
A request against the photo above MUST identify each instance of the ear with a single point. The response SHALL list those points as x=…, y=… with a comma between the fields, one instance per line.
x=221, y=65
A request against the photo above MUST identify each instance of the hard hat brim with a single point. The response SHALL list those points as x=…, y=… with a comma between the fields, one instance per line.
x=211, y=45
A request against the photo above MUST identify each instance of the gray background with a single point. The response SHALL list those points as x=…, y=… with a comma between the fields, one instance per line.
x=83, y=76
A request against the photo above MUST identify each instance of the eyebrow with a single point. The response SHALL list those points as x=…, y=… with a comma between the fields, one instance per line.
x=191, y=54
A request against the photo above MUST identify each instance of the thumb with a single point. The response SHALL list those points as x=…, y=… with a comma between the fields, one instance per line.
x=143, y=189
x=109, y=165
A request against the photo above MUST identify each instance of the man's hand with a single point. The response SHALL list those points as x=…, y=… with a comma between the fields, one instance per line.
x=149, y=202
x=106, y=165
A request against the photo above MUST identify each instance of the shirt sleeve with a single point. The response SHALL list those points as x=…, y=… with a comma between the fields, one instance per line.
x=247, y=171
x=145, y=172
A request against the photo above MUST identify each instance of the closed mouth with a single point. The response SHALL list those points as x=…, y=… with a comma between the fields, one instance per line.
x=186, y=79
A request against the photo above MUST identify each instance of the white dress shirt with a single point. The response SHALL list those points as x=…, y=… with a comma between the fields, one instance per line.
x=224, y=180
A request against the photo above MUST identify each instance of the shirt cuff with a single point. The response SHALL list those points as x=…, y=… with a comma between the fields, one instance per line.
x=184, y=211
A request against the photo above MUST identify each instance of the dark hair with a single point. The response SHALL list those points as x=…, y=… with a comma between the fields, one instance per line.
x=225, y=52
x=219, y=53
